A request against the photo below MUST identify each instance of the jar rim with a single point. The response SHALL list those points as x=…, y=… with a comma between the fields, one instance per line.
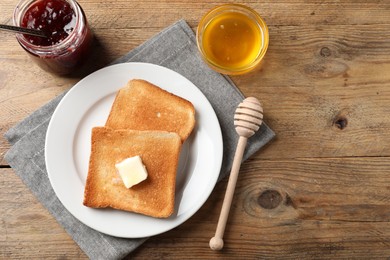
x=233, y=7
x=18, y=14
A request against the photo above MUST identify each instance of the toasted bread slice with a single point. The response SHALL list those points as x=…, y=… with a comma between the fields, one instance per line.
x=143, y=106
x=159, y=151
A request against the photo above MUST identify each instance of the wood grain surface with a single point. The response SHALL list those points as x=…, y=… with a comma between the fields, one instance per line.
x=320, y=189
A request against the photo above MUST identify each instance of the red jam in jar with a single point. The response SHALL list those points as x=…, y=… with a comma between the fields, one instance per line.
x=68, y=40
x=54, y=17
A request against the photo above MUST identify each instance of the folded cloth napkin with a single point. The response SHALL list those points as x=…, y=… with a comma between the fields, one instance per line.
x=174, y=48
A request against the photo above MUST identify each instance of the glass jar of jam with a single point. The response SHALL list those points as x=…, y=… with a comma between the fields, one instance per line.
x=69, y=37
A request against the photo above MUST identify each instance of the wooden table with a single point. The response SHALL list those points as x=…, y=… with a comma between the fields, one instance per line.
x=321, y=189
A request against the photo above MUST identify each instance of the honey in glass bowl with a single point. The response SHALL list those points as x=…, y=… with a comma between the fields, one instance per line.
x=232, y=39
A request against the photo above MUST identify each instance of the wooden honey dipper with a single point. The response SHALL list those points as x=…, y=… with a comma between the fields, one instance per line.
x=247, y=120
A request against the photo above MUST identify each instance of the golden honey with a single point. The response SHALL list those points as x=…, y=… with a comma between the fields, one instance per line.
x=232, y=39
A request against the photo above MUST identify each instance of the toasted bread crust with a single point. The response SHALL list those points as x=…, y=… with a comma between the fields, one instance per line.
x=143, y=106
x=160, y=154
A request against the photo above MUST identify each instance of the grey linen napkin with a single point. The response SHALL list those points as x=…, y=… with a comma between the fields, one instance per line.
x=174, y=48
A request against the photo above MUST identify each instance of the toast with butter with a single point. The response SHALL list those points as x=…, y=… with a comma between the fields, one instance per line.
x=159, y=152
x=140, y=105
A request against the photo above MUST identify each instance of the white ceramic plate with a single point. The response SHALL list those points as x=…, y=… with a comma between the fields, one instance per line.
x=87, y=105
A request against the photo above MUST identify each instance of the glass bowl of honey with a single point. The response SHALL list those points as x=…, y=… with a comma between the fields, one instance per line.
x=232, y=38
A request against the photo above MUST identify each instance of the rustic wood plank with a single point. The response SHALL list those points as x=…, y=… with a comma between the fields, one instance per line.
x=329, y=208
x=125, y=14
x=130, y=15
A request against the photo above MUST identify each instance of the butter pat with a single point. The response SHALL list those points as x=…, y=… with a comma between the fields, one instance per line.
x=132, y=171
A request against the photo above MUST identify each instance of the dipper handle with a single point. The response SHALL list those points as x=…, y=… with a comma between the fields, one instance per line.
x=216, y=243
